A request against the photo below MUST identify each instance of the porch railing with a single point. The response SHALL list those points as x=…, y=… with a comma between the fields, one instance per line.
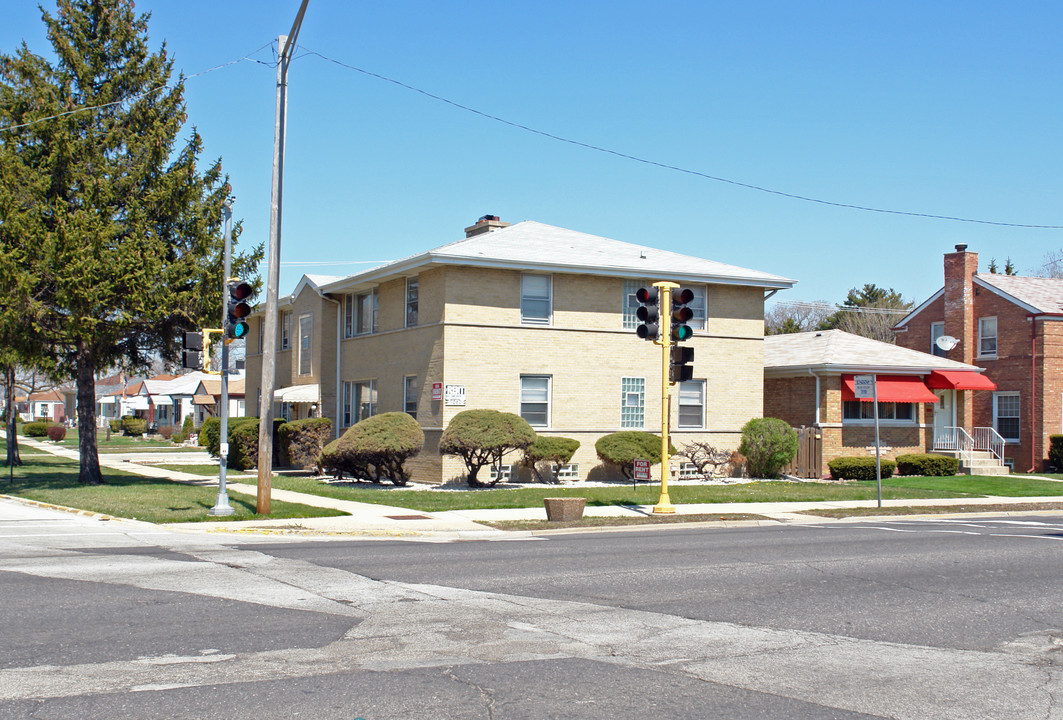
x=956, y=439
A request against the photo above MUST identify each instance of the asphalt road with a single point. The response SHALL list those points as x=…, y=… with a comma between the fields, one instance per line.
x=897, y=619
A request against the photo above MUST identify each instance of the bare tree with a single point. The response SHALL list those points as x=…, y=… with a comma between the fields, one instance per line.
x=1052, y=266
x=705, y=457
x=796, y=316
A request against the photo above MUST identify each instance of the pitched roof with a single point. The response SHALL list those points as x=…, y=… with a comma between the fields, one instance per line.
x=1036, y=294
x=531, y=245
x=836, y=351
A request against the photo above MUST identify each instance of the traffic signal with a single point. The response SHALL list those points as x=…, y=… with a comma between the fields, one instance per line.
x=192, y=351
x=648, y=313
x=238, y=309
x=681, y=314
x=680, y=368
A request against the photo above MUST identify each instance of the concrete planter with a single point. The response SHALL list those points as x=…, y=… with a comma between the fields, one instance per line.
x=566, y=509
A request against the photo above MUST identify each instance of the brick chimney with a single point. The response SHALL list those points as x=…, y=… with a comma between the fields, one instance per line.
x=960, y=267
x=487, y=223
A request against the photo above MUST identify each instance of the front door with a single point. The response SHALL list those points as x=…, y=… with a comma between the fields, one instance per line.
x=943, y=418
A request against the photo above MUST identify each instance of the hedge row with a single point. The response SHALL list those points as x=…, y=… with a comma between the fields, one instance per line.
x=927, y=465
x=859, y=468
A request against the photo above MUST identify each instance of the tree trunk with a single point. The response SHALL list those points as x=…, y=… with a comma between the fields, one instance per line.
x=13, y=458
x=89, y=472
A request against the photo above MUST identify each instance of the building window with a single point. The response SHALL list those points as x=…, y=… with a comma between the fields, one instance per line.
x=410, y=391
x=261, y=334
x=359, y=401
x=631, y=303
x=306, y=353
x=936, y=330
x=700, y=308
x=692, y=404
x=568, y=472
x=1006, y=415
x=633, y=402
x=282, y=410
x=987, y=336
x=535, y=299
x=858, y=410
x=535, y=399
x=285, y=330
x=411, y=302
x=360, y=312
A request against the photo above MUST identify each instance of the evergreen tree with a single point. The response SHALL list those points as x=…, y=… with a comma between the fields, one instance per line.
x=870, y=311
x=124, y=226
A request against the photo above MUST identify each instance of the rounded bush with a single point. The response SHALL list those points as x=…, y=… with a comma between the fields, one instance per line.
x=134, y=426
x=927, y=465
x=375, y=449
x=859, y=468
x=1055, y=451
x=56, y=433
x=769, y=444
x=555, y=450
x=480, y=437
x=624, y=447
x=303, y=440
x=35, y=429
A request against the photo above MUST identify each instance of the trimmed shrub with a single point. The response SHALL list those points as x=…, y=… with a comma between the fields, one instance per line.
x=375, y=449
x=303, y=440
x=859, y=468
x=557, y=451
x=1055, y=451
x=56, y=433
x=166, y=431
x=134, y=426
x=482, y=437
x=927, y=464
x=243, y=444
x=769, y=444
x=115, y=425
x=35, y=429
x=624, y=447
x=210, y=436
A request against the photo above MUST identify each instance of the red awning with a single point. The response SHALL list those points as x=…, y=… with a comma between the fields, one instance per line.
x=959, y=380
x=893, y=388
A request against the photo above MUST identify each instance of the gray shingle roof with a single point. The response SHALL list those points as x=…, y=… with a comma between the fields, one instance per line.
x=1037, y=293
x=842, y=352
x=531, y=245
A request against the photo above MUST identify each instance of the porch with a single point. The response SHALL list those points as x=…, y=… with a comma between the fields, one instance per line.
x=980, y=452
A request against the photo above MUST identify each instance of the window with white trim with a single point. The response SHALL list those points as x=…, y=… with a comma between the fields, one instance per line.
x=937, y=330
x=692, y=404
x=568, y=472
x=286, y=329
x=535, y=299
x=412, y=291
x=359, y=401
x=410, y=391
x=632, y=402
x=535, y=399
x=860, y=410
x=360, y=312
x=306, y=341
x=987, y=337
x=699, y=306
x=497, y=473
x=1006, y=415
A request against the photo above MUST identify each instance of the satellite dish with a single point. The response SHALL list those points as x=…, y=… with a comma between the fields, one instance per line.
x=946, y=342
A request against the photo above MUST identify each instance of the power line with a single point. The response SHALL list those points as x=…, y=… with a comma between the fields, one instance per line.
x=666, y=166
x=87, y=108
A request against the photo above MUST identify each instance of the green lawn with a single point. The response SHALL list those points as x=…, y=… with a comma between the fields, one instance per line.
x=117, y=442
x=52, y=479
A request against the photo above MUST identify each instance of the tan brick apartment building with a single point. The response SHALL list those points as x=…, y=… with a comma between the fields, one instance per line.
x=1010, y=325
x=525, y=318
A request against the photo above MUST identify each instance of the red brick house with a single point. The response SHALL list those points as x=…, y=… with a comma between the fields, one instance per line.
x=1010, y=325
x=809, y=382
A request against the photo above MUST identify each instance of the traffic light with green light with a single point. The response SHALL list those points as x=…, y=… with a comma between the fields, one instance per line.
x=237, y=309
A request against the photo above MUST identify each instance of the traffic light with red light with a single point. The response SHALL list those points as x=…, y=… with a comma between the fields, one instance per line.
x=649, y=314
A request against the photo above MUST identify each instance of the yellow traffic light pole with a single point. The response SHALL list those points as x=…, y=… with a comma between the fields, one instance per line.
x=664, y=504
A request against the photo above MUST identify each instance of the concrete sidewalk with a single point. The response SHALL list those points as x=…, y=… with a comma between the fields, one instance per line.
x=384, y=521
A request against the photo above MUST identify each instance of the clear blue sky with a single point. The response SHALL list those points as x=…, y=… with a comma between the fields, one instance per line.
x=949, y=108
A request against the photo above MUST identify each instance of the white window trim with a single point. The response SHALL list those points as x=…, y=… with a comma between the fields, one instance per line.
x=623, y=402
x=549, y=397
x=996, y=337
x=704, y=321
x=310, y=349
x=406, y=398
x=888, y=422
x=549, y=299
x=678, y=404
x=415, y=279
x=996, y=397
x=284, y=337
x=934, y=349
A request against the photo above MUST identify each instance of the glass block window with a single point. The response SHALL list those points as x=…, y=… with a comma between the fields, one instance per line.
x=630, y=303
x=633, y=402
x=568, y=472
x=699, y=306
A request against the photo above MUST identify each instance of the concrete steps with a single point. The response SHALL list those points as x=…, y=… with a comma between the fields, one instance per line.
x=981, y=463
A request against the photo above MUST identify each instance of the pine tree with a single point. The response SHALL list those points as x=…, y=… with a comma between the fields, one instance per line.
x=124, y=226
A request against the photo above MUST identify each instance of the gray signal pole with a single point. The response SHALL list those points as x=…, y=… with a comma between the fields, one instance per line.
x=286, y=47
x=222, y=506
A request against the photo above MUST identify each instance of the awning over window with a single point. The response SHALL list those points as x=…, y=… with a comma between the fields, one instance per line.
x=106, y=400
x=309, y=393
x=959, y=380
x=161, y=400
x=893, y=388
x=136, y=402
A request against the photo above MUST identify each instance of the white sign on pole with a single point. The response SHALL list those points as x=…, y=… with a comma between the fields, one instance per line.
x=864, y=387
x=454, y=395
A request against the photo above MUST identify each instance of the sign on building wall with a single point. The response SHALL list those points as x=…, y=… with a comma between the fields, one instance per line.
x=437, y=391
x=454, y=395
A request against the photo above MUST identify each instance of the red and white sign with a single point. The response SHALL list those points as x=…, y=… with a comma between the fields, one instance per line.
x=642, y=469
x=437, y=391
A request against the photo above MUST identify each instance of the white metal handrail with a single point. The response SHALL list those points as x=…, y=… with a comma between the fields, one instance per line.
x=987, y=439
x=955, y=439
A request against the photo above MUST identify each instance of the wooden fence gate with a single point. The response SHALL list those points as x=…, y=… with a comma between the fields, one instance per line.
x=809, y=460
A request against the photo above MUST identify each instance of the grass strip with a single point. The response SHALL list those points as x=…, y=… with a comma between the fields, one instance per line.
x=593, y=522
x=51, y=479
x=930, y=510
